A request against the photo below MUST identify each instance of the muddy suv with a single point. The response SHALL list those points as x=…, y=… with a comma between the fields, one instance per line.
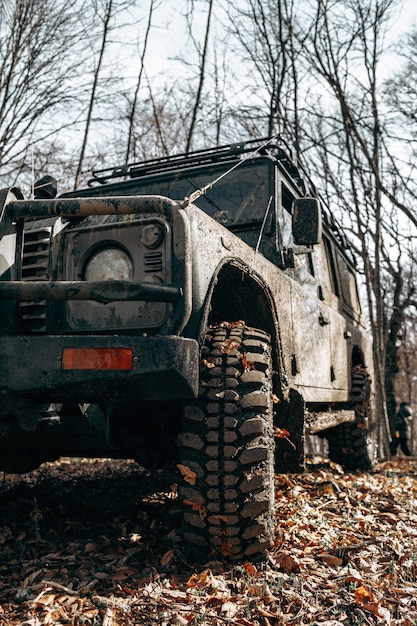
x=201, y=308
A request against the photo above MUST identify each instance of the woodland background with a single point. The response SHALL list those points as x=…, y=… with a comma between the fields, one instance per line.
x=86, y=85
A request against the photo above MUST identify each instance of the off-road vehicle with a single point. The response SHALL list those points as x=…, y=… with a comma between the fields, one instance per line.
x=201, y=307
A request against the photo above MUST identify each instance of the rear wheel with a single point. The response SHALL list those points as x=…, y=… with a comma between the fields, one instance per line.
x=227, y=447
x=348, y=444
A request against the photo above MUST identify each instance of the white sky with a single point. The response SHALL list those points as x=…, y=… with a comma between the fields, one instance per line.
x=407, y=17
x=168, y=37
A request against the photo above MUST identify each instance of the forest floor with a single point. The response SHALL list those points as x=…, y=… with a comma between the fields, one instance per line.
x=96, y=543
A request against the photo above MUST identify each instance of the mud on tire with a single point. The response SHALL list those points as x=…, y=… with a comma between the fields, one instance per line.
x=348, y=443
x=227, y=447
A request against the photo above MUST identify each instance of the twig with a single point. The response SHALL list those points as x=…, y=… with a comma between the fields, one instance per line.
x=60, y=587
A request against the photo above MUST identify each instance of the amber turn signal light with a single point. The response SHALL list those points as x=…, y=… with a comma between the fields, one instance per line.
x=97, y=359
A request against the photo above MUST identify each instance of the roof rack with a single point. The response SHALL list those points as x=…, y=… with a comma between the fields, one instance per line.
x=276, y=147
x=199, y=157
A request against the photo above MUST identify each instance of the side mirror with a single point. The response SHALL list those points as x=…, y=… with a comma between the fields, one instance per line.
x=45, y=188
x=306, y=221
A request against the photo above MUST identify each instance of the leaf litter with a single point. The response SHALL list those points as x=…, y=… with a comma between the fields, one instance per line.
x=96, y=543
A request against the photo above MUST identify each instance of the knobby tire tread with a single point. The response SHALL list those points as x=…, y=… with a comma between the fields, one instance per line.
x=228, y=445
x=348, y=444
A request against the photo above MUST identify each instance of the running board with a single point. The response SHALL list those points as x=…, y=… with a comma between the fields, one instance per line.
x=316, y=422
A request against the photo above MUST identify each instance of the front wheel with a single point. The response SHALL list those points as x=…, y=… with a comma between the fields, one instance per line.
x=227, y=447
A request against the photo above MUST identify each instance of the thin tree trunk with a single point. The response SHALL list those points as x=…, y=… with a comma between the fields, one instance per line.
x=93, y=90
x=200, y=82
x=138, y=84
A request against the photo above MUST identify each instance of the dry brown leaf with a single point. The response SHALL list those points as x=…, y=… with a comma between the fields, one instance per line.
x=266, y=613
x=178, y=620
x=90, y=613
x=167, y=558
x=332, y=561
x=268, y=597
x=250, y=568
x=45, y=599
x=247, y=365
x=363, y=595
x=288, y=563
x=123, y=572
x=189, y=476
x=200, y=508
x=228, y=345
x=229, y=610
x=283, y=433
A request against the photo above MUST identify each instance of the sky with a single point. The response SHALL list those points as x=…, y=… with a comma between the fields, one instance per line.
x=169, y=39
x=407, y=16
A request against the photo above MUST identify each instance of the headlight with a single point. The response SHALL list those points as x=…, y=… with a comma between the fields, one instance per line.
x=108, y=264
x=152, y=235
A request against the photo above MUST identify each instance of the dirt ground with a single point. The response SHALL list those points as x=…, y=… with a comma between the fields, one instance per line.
x=96, y=543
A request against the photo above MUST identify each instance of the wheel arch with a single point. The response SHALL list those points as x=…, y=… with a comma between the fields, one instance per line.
x=358, y=356
x=238, y=293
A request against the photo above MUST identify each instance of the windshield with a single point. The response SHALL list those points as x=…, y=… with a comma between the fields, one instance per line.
x=241, y=197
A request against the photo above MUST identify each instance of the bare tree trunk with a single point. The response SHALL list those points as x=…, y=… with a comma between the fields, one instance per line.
x=106, y=28
x=200, y=82
x=132, y=113
x=264, y=30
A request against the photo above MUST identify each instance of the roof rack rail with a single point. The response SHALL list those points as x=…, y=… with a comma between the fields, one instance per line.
x=198, y=157
x=275, y=146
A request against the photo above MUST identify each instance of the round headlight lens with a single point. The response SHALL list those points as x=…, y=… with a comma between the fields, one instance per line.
x=109, y=264
x=152, y=235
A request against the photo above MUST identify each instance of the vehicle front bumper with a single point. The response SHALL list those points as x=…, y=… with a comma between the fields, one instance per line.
x=32, y=370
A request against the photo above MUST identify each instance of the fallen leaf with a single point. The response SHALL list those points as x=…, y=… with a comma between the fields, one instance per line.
x=123, y=572
x=250, y=568
x=228, y=345
x=247, y=365
x=268, y=597
x=332, y=561
x=188, y=474
x=288, y=563
x=229, y=609
x=197, y=507
x=167, y=558
x=363, y=595
x=283, y=433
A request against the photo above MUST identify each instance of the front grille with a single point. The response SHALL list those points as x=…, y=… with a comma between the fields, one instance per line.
x=153, y=262
x=35, y=257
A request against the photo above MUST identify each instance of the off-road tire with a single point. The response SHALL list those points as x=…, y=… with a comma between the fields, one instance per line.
x=348, y=444
x=227, y=447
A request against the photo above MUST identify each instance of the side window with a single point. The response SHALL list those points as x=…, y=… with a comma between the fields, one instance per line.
x=331, y=267
x=348, y=285
x=286, y=203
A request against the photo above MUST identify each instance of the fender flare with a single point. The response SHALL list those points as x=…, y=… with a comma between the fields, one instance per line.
x=266, y=319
